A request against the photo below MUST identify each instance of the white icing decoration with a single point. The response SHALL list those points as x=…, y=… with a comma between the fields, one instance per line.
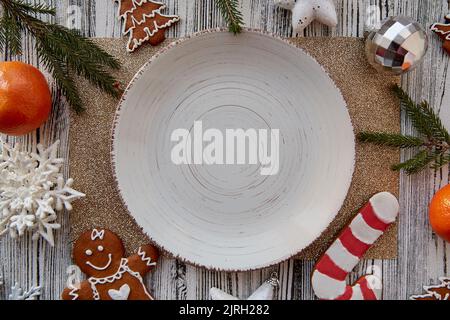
x=445, y=283
x=74, y=293
x=341, y=257
x=151, y=15
x=363, y=232
x=124, y=268
x=136, y=43
x=88, y=252
x=144, y=258
x=33, y=190
x=306, y=11
x=122, y=294
x=101, y=268
x=435, y=28
x=97, y=234
x=326, y=287
x=386, y=206
x=100, y=248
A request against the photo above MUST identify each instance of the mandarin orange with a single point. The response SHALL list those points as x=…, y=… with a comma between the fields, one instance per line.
x=439, y=212
x=25, y=98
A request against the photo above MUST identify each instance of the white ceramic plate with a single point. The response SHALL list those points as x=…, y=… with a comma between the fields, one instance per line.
x=230, y=217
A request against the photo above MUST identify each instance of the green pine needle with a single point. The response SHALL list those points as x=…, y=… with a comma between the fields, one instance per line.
x=231, y=14
x=417, y=163
x=92, y=66
x=391, y=139
x=63, y=52
x=61, y=75
x=433, y=143
x=424, y=119
x=10, y=34
x=85, y=46
x=41, y=8
x=441, y=161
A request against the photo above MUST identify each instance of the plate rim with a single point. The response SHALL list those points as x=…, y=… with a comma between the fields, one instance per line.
x=161, y=51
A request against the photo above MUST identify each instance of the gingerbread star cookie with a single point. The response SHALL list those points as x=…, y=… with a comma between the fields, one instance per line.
x=143, y=21
x=438, y=292
x=99, y=253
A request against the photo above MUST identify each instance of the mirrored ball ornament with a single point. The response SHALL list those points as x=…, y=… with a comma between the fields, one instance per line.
x=398, y=46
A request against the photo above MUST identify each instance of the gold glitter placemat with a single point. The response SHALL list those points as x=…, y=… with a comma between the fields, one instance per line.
x=371, y=104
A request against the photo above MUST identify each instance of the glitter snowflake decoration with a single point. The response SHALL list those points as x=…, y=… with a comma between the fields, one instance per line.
x=32, y=190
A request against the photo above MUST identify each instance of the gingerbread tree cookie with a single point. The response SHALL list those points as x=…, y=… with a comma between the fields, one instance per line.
x=100, y=255
x=438, y=292
x=144, y=22
x=443, y=31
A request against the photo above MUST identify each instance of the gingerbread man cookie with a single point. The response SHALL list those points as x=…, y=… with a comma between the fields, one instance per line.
x=99, y=253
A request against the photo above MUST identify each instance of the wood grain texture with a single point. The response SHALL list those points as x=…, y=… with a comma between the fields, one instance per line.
x=422, y=256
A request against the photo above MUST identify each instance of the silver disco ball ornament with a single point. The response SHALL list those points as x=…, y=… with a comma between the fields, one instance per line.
x=398, y=46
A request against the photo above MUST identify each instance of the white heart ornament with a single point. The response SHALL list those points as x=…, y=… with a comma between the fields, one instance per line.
x=121, y=294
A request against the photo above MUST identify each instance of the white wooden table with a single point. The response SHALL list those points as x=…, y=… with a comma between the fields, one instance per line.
x=422, y=256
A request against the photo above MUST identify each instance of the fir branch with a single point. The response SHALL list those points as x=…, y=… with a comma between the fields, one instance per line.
x=417, y=163
x=433, y=145
x=85, y=46
x=64, y=49
x=3, y=32
x=10, y=34
x=424, y=119
x=391, y=139
x=40, y=8
x=231, y=14
x=434, y=122
x=441, y=160
x=61, y=75
x=64, y=52
x=413, y=111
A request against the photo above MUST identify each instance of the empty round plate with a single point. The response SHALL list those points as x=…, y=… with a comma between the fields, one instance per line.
x=233, y=152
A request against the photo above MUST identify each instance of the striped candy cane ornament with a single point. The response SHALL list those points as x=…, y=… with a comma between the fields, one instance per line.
x=330, y=273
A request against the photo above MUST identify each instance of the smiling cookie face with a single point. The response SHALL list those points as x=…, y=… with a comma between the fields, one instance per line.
x=98, y=253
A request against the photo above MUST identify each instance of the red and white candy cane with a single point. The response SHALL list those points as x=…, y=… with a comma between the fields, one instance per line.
x=330, y=273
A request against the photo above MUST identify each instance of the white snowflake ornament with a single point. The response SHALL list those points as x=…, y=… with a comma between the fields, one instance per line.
x=306, y=11
x=32, y=189
x=18, y=293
